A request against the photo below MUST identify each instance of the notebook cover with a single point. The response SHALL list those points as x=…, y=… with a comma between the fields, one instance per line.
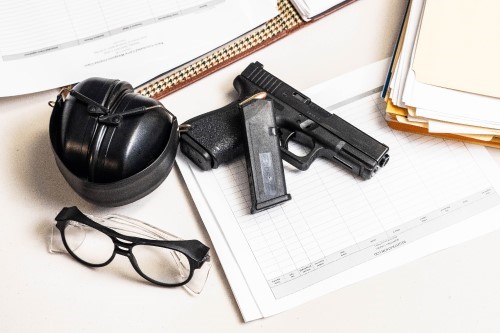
x=286, y=22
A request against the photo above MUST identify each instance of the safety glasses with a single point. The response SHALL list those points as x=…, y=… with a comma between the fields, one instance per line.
x=157, y=256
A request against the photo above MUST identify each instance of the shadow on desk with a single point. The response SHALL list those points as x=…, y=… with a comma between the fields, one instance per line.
x=40, y=175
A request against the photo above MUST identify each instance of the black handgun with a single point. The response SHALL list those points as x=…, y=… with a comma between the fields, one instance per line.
x=217, y=137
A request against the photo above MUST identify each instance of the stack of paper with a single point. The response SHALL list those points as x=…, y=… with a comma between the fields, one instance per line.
x=445, y=77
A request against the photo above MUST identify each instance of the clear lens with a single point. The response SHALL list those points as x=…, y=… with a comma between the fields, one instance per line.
x=161, y=264
x=88, y=244
x=56, y=245
x=200, y=276
x=157, y=263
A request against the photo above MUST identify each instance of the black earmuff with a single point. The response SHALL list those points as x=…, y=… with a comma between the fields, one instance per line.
x=112, y=145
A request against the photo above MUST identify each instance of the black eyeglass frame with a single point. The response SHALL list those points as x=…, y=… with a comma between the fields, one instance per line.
x=195, y=251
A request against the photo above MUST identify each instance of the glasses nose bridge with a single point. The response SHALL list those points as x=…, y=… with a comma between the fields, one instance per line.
x=123, y=248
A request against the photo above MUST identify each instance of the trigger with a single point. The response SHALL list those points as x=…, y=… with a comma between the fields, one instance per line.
x=285, y=137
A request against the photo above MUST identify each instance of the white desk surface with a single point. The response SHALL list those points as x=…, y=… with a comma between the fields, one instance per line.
x=456, y=290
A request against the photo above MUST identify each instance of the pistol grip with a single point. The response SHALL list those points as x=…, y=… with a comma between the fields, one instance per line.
x=214, y=138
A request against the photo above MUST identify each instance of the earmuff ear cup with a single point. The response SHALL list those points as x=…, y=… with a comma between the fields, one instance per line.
x=145, y=137
x=112, y=164
x=76, y=127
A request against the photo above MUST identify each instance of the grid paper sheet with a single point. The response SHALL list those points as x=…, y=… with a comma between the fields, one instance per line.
x=338, y=225
x=334, y=215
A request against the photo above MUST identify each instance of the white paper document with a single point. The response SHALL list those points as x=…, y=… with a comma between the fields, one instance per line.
x=440, y=102
x=49, y=44
x=339, y=229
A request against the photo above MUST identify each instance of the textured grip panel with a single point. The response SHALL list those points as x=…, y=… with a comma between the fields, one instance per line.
x=219, y=132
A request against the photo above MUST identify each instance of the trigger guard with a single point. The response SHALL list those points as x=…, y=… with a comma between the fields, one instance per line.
x=301, y=162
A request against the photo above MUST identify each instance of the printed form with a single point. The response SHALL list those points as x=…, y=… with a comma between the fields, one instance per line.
x=49, y=44
x=339, y=229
